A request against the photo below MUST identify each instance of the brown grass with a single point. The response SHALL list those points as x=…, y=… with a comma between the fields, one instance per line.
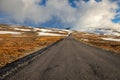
x=13, y=48
x=95, y=40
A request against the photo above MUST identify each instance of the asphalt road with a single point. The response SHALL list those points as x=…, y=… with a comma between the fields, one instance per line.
x=71, y=60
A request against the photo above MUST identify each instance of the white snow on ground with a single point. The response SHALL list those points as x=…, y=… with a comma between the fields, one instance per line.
x=60, y=31
x=9, y=32
x=69, y=31
x=111, y=39
x=112, y=33
x=22, y=29
x=48, y=34
x=37, y=29
x=117, y=34
x=105, y=31
x=46, y=30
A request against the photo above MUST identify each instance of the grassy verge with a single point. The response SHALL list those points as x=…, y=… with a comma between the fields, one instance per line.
x=13, y=48
x=97, y=41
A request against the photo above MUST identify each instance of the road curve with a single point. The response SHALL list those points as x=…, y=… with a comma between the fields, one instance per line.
x=71, y=60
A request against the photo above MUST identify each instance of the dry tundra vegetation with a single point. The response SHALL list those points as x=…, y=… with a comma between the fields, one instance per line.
x=97, y=41
x=13, y=47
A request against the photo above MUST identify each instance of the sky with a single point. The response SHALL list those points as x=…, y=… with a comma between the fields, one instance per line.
x=76, y=14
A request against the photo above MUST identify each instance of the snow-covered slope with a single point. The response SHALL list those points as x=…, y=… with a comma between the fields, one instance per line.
x=23, y=30
x=111, y=39
x=48, y=34
x=9, y=32
x=104, y=31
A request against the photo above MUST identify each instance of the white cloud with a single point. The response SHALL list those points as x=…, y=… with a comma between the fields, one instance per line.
x=21, y=10
x=95, y=14
x=87, y=14
x=62, y=10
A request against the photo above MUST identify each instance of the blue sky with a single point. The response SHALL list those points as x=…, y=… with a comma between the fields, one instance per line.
x=53, y=21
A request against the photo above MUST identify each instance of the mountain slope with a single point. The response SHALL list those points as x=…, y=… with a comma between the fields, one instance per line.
x=104, y=31
x=19, y=41
x=22, y=30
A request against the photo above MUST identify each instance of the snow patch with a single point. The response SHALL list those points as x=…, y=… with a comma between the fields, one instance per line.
x=46, y=30
x=9, y=32
x=69, y=31
x=111, y=39
x=48, y=34
x=117, y=34
x=22, y=29
x=104, y=31
x=37, y=29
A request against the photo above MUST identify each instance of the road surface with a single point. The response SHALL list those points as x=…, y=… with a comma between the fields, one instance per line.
x=71, y=60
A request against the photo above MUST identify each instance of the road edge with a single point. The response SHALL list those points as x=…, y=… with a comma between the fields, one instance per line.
x=12, y=68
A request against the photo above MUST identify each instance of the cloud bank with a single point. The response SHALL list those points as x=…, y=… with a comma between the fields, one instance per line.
x=84, y=15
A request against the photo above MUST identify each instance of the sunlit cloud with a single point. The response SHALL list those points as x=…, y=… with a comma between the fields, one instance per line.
x=83, y=15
